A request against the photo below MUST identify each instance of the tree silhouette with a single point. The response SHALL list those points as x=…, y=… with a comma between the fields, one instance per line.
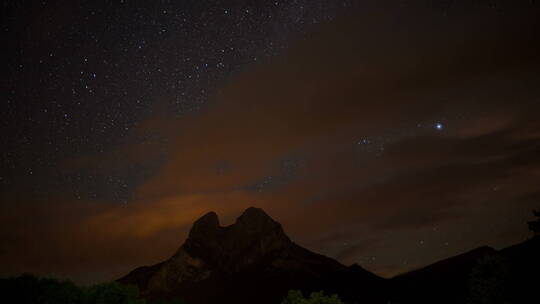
x=534, y=226
x=296, y=297
x=489, y=281
x=28, y=289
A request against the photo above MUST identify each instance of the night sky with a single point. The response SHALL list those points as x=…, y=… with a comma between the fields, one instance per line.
x=386, y=133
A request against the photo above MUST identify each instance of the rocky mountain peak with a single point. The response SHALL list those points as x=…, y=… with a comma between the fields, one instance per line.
x=254, y=254
x=253, y=236
x=255, y=220
x=204, y=227
x=252, y=213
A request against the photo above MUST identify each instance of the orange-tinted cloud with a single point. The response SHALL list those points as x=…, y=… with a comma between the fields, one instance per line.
x=288, y=136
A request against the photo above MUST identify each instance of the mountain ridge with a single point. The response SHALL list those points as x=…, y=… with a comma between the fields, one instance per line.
x=253, y=256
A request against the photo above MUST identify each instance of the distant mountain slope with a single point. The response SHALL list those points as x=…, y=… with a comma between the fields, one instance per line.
x=448, y=277
x=251, y=261
x=447, y=281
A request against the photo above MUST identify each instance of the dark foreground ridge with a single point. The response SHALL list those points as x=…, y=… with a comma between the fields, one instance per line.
x=253, y=261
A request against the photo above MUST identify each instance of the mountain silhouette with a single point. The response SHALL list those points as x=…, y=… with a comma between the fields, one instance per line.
x=254, y=261
x=449, y=281
x=449, y=277
x=250, y=261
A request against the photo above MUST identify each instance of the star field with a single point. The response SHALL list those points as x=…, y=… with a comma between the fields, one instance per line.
x=81, y=77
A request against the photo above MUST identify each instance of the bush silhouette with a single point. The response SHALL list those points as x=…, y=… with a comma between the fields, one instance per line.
x=489, y=281
x=28, y=289
x=534, y=226
x=113, y=292
x=170, y=301
x=296, y=297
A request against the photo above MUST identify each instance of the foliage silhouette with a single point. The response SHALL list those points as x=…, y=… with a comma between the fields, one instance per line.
x=113, y=292
x=534, y=226
x=489, y=281
x=296, y=297
x=28, y=289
